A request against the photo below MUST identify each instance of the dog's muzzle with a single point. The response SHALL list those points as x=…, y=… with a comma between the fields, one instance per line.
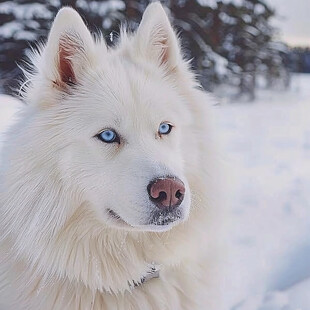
x=167, y=194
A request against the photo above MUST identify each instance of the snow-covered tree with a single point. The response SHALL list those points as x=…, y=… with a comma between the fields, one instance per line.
x=245, y=40
x=21, y=23
x=229, y=41
x=25, y=22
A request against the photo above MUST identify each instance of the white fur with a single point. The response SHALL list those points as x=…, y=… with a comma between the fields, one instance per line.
x=59, y=248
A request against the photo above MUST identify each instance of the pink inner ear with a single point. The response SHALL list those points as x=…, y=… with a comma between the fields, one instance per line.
x=161, y=43
x=164, y=54
x=65, y=66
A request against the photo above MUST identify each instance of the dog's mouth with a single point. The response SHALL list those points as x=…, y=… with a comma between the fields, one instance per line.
x=116, y=218
x=160, y=219
x=166, y=217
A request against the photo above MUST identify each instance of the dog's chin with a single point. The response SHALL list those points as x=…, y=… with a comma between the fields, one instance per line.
x=159, y=222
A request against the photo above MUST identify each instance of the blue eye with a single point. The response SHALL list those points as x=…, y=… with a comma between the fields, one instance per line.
x=164, y=128
x=108, y=136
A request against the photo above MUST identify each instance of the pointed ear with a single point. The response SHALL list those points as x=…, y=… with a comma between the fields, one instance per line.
x=68, y=50
x=156, y=40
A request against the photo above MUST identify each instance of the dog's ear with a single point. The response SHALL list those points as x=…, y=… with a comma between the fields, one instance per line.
x=68, y=50
x=156, y=40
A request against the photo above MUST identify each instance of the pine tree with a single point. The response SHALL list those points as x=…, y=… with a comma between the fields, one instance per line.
x=102, y=16
x=228, y=41
x=21, y=22
x=24, y=22
x=246, y=42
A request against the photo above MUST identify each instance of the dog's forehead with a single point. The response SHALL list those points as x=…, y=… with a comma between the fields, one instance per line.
x=121, y=87
x=132, y=82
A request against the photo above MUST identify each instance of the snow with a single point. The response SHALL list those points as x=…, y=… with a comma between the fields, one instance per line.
x=102, y=8
x=211, y=3
x=9, y=29
x=259, y=9
x=266, y=151
x=235, y=2
x=25, y=11
x=25, y=35
x=252, y=30
x=24, y=15
x=220, y=64
x=225, y=18
x=267, y=147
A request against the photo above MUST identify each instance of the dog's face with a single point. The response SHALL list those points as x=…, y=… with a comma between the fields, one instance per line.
x=125, y=151
x=124, y=120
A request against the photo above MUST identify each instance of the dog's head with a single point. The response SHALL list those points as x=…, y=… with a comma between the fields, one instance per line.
x=120, y=119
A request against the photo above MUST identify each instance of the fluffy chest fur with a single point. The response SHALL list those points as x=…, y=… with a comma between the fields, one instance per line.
x=189, y=275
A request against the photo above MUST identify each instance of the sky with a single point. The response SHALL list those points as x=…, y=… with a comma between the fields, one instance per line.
x=293, y=21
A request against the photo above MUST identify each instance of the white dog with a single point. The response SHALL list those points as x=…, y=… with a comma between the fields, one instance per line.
x=108, y=183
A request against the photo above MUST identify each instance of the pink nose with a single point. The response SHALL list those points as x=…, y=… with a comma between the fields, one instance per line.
x=166, y=192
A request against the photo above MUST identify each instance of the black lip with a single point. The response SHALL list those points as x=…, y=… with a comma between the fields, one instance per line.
x=165, y=217
x=158, y=218
x=114, y=214
x=117, y=218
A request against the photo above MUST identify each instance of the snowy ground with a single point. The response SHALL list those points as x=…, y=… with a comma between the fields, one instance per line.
x=267, y=146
